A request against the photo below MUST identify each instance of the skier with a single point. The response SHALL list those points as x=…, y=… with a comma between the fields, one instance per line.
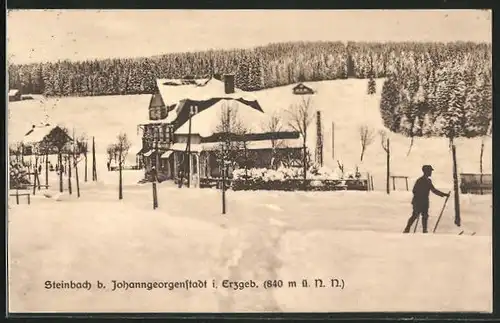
x=420, y=200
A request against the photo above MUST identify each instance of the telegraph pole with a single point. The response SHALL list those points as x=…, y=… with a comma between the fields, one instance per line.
x=189, y=148
x=319, y=139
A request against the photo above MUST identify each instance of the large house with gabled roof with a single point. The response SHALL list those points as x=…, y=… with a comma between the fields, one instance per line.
x=182, y=130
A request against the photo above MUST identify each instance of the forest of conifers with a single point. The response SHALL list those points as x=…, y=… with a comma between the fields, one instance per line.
x=258, y=68
x=430, y=88
x=448, y=93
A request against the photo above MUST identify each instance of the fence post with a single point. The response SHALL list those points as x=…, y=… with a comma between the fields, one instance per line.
x=155, y=196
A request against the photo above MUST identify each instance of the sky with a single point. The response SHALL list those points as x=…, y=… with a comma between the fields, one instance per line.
x=51, y=35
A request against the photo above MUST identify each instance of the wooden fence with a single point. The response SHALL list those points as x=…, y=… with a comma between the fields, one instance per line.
x=471, y=183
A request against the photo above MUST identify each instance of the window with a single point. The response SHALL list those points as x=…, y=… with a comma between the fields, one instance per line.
x=170, y=134
x=193, y=109
x=163, y=112
x=164, y=131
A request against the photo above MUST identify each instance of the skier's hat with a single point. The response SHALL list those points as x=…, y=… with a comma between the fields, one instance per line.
x=427, y=167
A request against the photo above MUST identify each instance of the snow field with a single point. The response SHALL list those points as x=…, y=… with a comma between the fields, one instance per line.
x=303, y=235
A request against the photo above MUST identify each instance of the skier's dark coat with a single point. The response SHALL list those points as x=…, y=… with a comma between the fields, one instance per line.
x=423, y=186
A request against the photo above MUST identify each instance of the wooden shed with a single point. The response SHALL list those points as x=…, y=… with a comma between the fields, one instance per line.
x=14, y=95
x=302, y=89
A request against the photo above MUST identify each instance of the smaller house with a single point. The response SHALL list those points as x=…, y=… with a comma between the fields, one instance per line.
x=302, y=89
x=14, y=95
x=52, y=138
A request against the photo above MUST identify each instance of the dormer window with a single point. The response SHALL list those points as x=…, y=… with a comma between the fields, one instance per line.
x=193, y=109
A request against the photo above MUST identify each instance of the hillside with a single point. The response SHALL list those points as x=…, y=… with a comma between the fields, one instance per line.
x=343, y=102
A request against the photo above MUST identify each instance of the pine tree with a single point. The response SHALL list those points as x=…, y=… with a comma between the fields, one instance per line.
x=388, y=104
x=242, y=74
x=454, y=115
x=372, y=86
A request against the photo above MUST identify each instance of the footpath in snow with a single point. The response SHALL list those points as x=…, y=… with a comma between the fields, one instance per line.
x=266, y=236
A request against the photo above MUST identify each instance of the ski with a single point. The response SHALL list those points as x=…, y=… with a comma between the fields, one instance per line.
x=467, y=233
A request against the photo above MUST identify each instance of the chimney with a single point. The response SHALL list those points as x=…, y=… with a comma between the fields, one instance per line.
x=229, y=83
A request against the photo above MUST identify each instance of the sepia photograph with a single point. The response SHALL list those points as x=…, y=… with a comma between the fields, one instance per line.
x=249, y=161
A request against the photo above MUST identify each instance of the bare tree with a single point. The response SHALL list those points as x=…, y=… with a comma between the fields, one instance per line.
x=16, y=149
x=83, y=149
x=341, y=167
x=233, y=148
x=274, y=126
x=122, y=147
x=58, y=138
x=367, y=136
x=301, y=116
x=79, y=149
x=385, y=142
x=233, y=139
x=111, y=152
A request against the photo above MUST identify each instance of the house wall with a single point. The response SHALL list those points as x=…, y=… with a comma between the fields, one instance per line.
x=157, y=109
x=195, y=139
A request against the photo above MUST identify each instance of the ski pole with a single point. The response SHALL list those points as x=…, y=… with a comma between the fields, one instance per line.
x=441, y=214
x=416, y=224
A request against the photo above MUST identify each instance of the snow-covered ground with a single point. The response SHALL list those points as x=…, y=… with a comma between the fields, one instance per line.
x=354, y=236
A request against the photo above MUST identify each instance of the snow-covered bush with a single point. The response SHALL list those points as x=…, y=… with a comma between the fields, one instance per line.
x=18, y=176
x=285, y=178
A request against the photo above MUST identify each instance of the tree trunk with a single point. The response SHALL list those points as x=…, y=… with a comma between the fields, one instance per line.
x=77, y=179
x=305, y=165
x=70, y=188
x=333, y=141
x=246, y=161
x=35, y=175
x=481, y=157
x=388, y=175
x=85, y=167
x=362, y=154
x=411, y=146
x=59, y=159
x=47, y=170
x=455, y=186
x=120, y=184
x=481, y=166
x=94, y=168
x=223, y=187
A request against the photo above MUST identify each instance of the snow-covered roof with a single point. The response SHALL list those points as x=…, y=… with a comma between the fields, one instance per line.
x=37, y=134
x=176, y=92
x=205, y=122
x=13, y=92
x=260, y=144
x=251, y=145
x=182, y=146
x=166, y=154
x=148, y=122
